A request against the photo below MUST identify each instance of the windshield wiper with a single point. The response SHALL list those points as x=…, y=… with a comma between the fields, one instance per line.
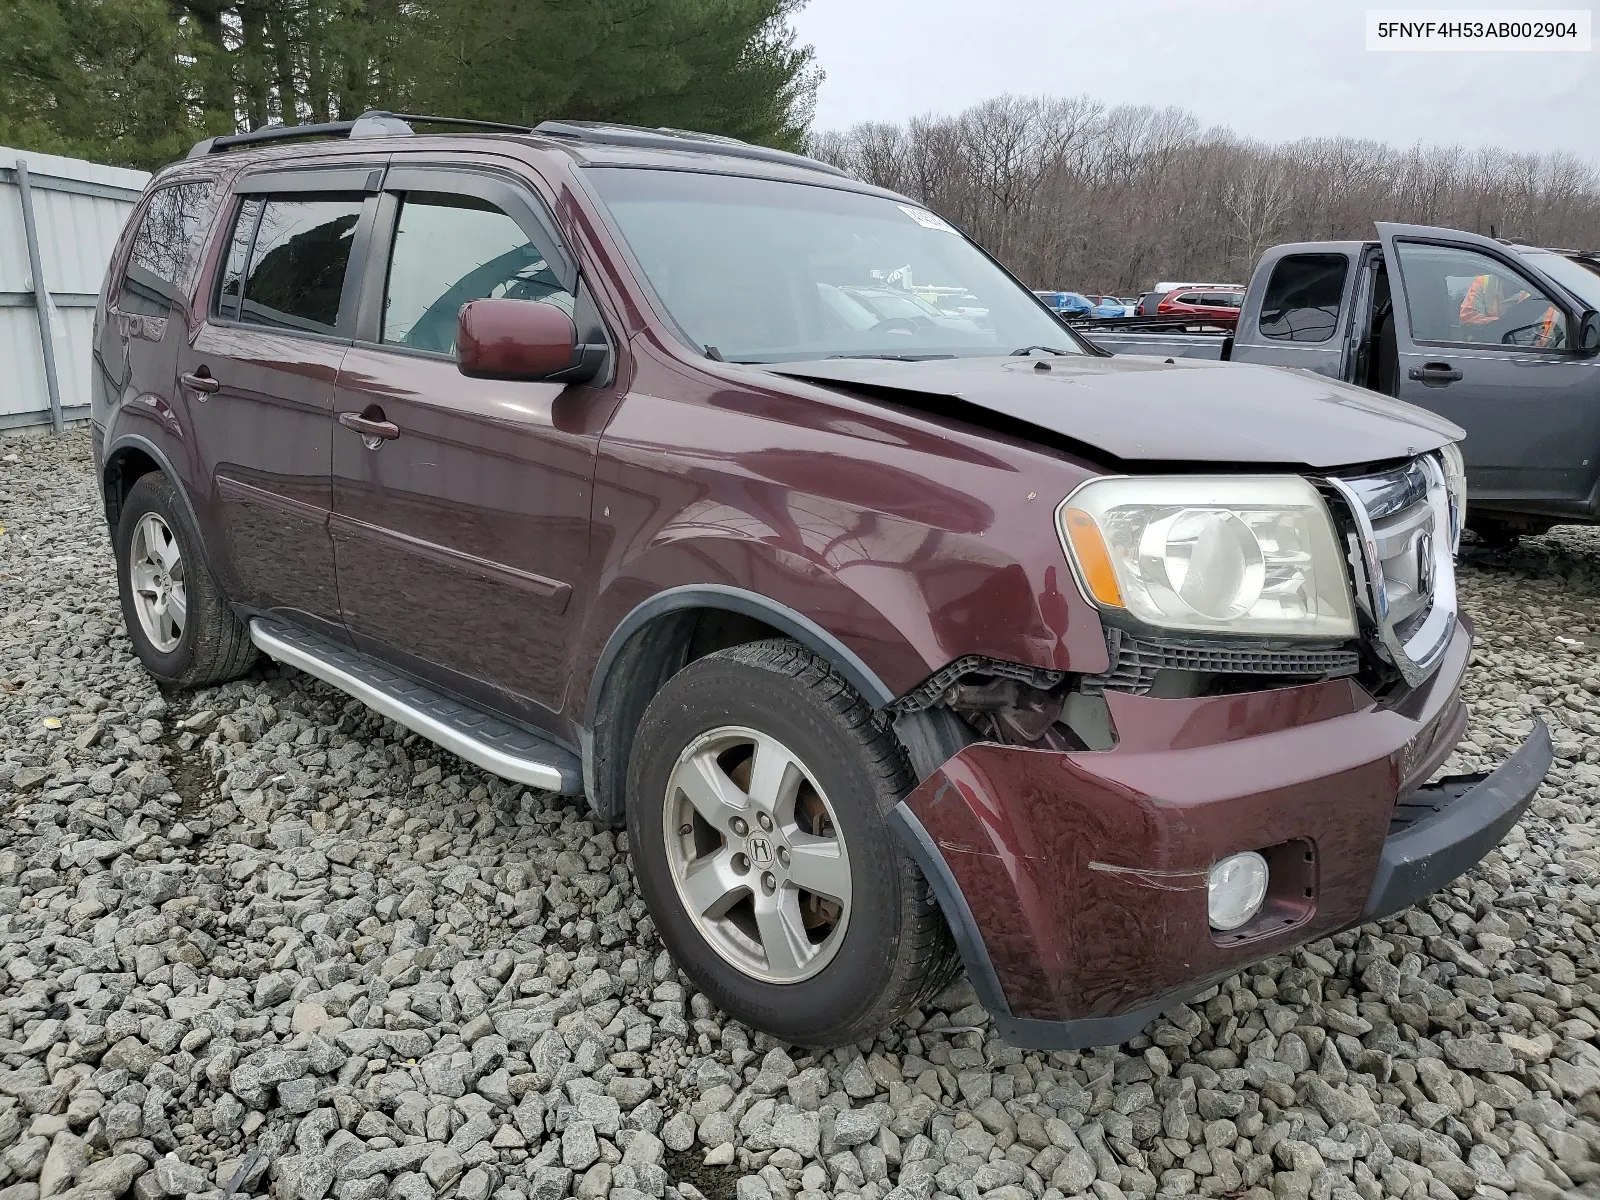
x=1024, y=351
x=895, y=357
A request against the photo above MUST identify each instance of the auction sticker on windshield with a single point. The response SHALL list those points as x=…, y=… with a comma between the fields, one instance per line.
x=925, y=218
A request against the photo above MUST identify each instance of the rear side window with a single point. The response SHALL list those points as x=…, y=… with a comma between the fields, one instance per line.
x=1303, y=297
x=449, y=249
x=1189, y=298
x=287, y=261
x=164, y=249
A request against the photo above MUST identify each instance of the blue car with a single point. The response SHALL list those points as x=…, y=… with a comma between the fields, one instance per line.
x=1076, y=304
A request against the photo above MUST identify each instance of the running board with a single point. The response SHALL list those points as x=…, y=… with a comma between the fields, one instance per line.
x=490, y=742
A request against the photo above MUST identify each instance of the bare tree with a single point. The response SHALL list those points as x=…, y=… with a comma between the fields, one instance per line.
x=1069, y=193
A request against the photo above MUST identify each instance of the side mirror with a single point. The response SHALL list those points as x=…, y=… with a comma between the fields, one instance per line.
x=1588, y=333
x=522, y=339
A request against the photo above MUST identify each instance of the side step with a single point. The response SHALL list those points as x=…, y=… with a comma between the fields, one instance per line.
x=492, y=743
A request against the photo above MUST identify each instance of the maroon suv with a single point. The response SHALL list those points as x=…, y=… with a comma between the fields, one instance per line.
x=888, y=641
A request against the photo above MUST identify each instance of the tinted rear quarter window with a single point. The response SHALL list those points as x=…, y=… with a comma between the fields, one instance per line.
x=1303, y=297
x=164, y=249
x=287, y=261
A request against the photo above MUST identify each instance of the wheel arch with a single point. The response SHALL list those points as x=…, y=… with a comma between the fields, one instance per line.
x=129, y=458
x=662, y=635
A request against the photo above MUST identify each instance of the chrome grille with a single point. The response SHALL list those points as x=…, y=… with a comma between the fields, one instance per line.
x=1398, y=529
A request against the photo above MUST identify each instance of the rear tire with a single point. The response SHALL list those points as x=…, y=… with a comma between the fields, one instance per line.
x=177, y=618
x=850, y=959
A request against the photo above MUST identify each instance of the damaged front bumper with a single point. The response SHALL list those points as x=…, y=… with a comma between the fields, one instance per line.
x=1076, y=883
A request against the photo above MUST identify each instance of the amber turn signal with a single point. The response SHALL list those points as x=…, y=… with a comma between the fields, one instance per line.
x=1094, y=560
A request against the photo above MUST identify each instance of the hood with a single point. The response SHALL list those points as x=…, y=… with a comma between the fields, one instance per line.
x=1153, y=410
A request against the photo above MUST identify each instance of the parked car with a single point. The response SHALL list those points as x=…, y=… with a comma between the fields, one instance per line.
x=1110, y=306
x=893, y=649
x=1149, y=300
x=1522, y=376
x=1076, y=304
x=1220, y=305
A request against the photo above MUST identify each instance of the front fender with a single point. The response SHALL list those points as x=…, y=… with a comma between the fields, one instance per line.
x=747, y=578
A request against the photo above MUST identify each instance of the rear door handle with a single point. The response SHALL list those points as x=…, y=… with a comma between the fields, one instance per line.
x=374, y=431
x=1434, y=374
x=200, y=381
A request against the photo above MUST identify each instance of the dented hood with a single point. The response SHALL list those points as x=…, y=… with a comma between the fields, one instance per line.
x=1148, y=409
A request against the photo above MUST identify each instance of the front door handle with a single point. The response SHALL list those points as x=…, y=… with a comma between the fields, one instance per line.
x=374, y=430
x=1434, y=374
x=200, y=380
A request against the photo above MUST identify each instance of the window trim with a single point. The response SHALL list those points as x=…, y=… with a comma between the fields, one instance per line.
x=511, y=196
x=345, y=177
x=1339, y=311
x=354, y=271
x=1482, y=252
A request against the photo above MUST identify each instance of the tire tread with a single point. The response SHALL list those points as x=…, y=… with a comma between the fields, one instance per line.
x=222, y=649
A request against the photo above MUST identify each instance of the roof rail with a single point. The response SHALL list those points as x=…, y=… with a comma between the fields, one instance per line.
x=370, y=124
x=606, y=134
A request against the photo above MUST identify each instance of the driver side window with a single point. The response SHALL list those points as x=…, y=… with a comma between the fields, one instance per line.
x=449, y=249
x=1458, y=295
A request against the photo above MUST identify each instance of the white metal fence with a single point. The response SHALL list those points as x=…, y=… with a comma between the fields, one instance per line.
x=59, y=222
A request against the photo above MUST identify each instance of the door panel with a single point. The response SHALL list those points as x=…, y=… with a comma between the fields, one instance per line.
x=459, y=540
x=260, y=376
x=461, y=506
x=1296, y=319
x=1481, y=339
x=265, y=435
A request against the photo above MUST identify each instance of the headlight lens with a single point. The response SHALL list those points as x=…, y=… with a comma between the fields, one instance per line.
x=1211, y=554
x=1455, y=482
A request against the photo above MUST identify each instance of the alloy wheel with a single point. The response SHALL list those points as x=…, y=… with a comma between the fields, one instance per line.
x=156, y=575
x=757, y=855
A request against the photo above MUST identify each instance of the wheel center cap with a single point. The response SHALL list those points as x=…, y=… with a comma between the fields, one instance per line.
x=760, y=851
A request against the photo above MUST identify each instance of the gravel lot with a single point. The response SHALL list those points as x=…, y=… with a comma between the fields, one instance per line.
x=258, y=940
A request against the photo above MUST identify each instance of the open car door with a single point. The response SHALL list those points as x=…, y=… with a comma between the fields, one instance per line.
x=1486, y=339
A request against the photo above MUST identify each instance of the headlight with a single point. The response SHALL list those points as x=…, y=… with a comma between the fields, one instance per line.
x=1455, y=482
x=1211, y=554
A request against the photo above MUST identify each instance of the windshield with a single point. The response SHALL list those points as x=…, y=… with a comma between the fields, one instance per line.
x=758, y=270
x=1575, y=277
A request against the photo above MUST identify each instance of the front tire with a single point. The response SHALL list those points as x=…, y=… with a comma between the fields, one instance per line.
x=177, y=618
x=757, y=794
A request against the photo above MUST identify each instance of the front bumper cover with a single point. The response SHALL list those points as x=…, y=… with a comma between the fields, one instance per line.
x=1444, y=828
x=1068, y=949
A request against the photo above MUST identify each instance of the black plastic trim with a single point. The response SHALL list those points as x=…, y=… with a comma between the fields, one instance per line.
x=145, y=446
x=1026, y=1033
x=1430, y=853
x=360, y=179
x=731, y=599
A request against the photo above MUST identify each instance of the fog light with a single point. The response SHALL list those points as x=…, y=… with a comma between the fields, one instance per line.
x=1236, y=888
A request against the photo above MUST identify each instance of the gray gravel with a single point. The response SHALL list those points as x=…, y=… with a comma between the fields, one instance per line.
x=257, y=940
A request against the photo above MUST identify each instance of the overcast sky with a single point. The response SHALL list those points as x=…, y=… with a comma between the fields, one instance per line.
x=1270, y=69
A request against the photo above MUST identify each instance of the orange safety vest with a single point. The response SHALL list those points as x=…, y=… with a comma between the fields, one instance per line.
x=1478, y=307
x=1547, y=327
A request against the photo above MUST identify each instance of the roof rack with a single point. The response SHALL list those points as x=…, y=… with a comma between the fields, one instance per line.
x=378, y=123
x=606, y=134
x=373, y=123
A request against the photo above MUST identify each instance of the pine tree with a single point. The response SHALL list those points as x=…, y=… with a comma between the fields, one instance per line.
x=138, y=81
